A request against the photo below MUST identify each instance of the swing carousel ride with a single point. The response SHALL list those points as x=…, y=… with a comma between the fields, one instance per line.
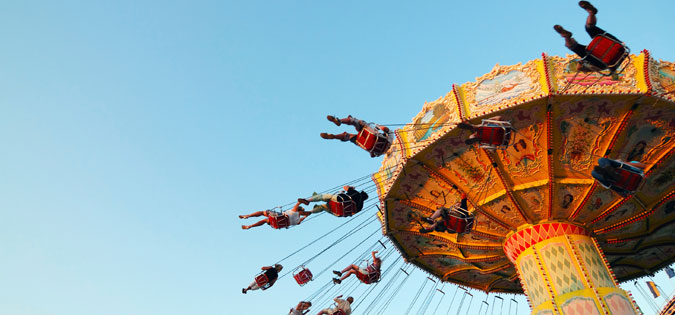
x=543, y=226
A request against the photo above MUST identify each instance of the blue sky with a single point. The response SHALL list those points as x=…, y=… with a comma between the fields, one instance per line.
x=134, y=132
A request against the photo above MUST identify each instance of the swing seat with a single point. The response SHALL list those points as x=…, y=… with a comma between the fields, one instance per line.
x=373, y=141
x=494, y=134
x=607, y=50
x=459, y=222
x=262, y=281
x=278, y=221
x=339, y=312
x=303, y=276
x=344, y=207
x=371, y=276
x=629, y=179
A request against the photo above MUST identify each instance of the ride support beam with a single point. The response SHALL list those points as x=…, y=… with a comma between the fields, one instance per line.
x=563, y=271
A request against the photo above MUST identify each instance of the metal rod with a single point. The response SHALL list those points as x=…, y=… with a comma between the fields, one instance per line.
x=494, y=303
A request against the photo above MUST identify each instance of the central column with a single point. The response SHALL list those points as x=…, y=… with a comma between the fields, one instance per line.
x=563, y=271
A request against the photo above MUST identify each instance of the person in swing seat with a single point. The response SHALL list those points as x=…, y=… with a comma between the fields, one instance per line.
x=340, y=305
x=375, y=148
x=618, y=176
x=481, y=133
x=368, y=275
x=301, y=309
x=593, y=30
x=456, y=219
x=294, y=216
x=272, y=274
x=349, y=193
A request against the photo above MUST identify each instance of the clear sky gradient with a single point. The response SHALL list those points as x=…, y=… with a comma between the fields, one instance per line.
x=134, y=132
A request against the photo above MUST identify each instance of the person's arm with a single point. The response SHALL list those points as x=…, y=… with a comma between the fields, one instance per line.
x=637, y=164
x=297, y=204
x=302, y=218
x=384, y=129
x=346, y=187
x=266, y=267
x=337, y=298
x=373, y=253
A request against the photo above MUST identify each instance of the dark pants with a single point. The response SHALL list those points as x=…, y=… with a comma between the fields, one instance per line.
x=608, y=165
x=580, y=50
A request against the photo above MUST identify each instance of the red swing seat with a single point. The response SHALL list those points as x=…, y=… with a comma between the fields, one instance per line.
x=303, y=276
x=628, y=180
x=459, y=222
x=344, y=207
x=278, y=220
x=494, y=134
x=262, y=281
x=339, y=312
x=371, y=275
x=491, y=135
x=373, y=141
x=607, y=50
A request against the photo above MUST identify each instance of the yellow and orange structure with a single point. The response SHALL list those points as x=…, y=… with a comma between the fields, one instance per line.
x=543, y=226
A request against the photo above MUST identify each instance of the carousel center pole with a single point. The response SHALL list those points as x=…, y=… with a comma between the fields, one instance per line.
x=563, y=271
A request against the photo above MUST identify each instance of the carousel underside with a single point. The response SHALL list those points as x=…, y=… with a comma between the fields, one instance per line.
x=540, y=186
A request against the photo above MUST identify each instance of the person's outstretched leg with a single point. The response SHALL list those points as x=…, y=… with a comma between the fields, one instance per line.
x=254, y=214
x=591, y=28
x=346, y=275
x=466, y=126
x=570, y=42
x=318, y=197
x=472, y=139
x=252, y=286
x=259, y=223
x=333, y=119
x=591, y=20
x=357, y=123
x=436, y=214
x=342, y=137
x=430, y=229
x=350, y=267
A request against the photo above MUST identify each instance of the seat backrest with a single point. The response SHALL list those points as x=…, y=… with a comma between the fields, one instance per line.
x=344, y=207
x=628, y=180
x=490, y=135
x=369, y=277
x=455, y=224
x=366, y=138
x=303, y=276
x=261, y=280
x=606, y=50
x=278, y=221
x=373, y=141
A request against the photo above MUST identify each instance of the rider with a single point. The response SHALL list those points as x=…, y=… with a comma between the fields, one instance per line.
x=349, y=191
x=300, y=309
x=359, y=125
x=607, y=174
x=295, y=216
x=368, y=275
x=459, y=211
x=344, y=305
x=475, y=137
x=592, y=31
x=272, y=273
